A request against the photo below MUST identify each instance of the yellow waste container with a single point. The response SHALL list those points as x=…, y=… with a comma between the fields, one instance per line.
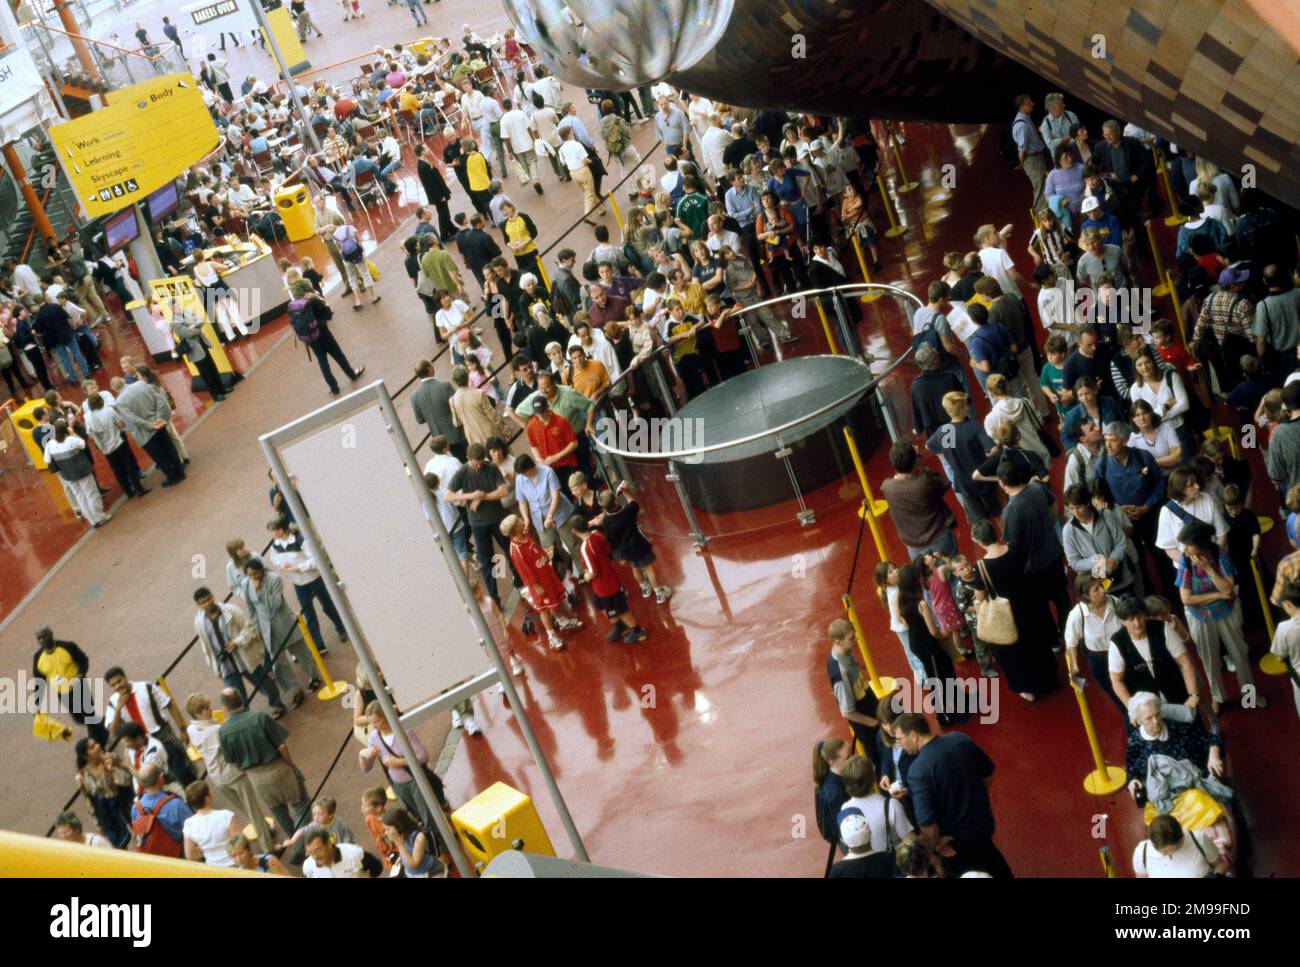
x=492, y=821
x=422, y=46
x=24, y=424
x=294, y=205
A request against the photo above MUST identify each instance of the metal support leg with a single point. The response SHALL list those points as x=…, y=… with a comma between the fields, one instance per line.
x=805, y=514
x=885, y=414
x=657, y=376
x=691, y=520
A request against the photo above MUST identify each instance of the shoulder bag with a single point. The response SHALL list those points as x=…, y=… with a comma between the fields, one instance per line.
x=995, y=623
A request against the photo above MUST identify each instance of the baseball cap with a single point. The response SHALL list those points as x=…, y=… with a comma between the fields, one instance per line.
x=541, y=404
x=1089, y=204
x=1234, y=274
x=854, y=831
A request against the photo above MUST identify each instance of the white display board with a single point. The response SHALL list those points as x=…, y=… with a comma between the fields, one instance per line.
x=368, y=515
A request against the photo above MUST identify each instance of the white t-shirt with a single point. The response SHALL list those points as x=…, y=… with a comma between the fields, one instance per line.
x=516, y=131
x=873, y=810
x=99, y=842
x=348, y=866
x=1166, y=440
x=997, y=264
x=1095, y=633
x=1188, y=862
x=896, y=622
x=449, y=319
x=1174, y=644
x=1174, y=415
x=1053, y=311
x=1205, y=508
x=573, y=154
x=209, y=833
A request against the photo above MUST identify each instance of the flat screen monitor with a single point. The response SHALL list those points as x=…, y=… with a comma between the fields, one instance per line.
x=163, y=202
x=121, y=230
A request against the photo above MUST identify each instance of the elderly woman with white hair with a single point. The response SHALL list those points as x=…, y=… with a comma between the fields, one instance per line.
x=542, y=330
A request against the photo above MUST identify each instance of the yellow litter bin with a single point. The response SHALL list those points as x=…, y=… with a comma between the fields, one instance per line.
x=24, y=424
x=294, y=205
x=492, y=821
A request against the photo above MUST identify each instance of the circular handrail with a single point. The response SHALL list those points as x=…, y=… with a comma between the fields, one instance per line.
x=852, y=289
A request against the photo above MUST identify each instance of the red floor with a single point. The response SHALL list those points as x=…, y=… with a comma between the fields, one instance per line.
x=689, y=755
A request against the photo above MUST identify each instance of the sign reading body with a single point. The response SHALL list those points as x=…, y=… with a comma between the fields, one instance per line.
x=147, y=136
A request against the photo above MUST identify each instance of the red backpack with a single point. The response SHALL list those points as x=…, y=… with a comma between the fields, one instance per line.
x=151, y=836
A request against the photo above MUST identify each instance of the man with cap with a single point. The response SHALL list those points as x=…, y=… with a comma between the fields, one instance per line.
x=1231, y=317
x=1096, y=216
x=61, y=668
x=1138, y=489
x=861, y=862
x=553, y=442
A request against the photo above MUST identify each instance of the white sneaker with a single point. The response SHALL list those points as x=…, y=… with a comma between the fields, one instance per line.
x=471, y=725
x=516, y=666
x=662, y=594
x=646, y=590
x=555, y=642
x=455, y=719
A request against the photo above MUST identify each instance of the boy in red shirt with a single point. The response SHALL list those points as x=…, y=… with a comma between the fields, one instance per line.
x=373, y=803
x=1170, y=349
x=605, y=583
x=541, y=583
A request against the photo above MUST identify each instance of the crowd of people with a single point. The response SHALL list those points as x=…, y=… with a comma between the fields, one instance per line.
x=1145, y=548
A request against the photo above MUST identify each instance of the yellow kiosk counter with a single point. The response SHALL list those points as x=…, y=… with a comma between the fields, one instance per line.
x=249, y=269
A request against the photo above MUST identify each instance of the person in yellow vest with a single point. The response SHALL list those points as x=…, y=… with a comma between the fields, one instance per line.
x=521, y=236
x=476, y=175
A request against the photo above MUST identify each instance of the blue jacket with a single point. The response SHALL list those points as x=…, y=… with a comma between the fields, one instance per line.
x=1106, y=406
x=1140, y=482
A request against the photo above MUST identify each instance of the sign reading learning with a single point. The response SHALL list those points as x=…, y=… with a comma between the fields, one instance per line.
x=148, y=135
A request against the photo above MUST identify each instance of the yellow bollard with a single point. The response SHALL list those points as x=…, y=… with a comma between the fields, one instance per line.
x=1263, y=599
x=894, y=230
x=879, y=686
x=862, y=264
x=1174, y=218
x=331, y=689
x=1272, y=664
x=1104, y=779
x=826, y=327
x=1033, y=217
x=614, y=205
x=903, y=186
x=1224, y=434
x=878, y=508
x=1107, y=863
x=1161, y=290
x=545, y=279
x=190, y=751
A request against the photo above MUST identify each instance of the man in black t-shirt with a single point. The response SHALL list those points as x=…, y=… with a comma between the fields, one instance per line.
x=949, y=782
x=480, y=488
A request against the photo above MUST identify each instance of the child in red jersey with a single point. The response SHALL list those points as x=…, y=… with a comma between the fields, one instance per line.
x=606, y=585
x=1170, y=349
x=541, y=584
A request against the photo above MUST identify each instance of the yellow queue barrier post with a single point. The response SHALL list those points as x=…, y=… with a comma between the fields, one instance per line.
x=1104, y=779
x=39, y=856
x=1224, y=434
x=1107, y=863
x=862, y=264
x=904, y=185
x=871, y=508
x=331, y=689
x=894, y=230
x=618, y=217
x=546, y=279
x=1178, y=308
x=1174, y=218
x=1033, y=217
x=880, y=687
x=190, y=751
x=1162, y=289
x=1270, y=664
x=826, y=327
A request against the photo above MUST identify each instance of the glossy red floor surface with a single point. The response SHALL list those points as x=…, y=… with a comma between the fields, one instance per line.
x=688, y=754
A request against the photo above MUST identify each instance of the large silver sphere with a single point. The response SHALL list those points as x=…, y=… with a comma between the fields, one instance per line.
x=620, y=44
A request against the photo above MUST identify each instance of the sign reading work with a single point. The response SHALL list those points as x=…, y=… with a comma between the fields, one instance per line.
x=147, y=136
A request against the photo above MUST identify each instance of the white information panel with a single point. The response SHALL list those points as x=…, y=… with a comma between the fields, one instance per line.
x=372, y=525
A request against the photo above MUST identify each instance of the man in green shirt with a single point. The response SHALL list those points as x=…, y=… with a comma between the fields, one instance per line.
x=693, y=208
x=440, y=268
x=253, y=741
x=564, y=400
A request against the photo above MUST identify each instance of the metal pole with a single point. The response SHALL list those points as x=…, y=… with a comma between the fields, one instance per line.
x=480, y=623
x=675, y=476
x=364, y=656
x=309, y=132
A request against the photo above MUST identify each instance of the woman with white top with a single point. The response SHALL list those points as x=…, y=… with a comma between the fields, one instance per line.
x=450, y=316
x=1092, y=623
x=66, y=452
x=1166, y=393
x=104, y=426
x=208, y=830
x=1011, y=409
x=1170, y=852
x=220, y=299
x=1155, y=436
x=887, y=591
x=1225, y=189
x=1149, y=655
x=1188, y=501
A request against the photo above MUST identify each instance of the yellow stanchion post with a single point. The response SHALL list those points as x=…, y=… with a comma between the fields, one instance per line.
x=1161, y=290
x=880, y=687
x=1178, y=307
x=1033, y=218
x=190, y=751
x=1107, y=863
x=1263, y=599
x=1173, y=219
x=331, y=689
x=904, y=185
x=546, y=280
x=614, y=205
x=894, y=230
x=862, y=264
x=1104, y=779
x=1270, y=664
x=871, y=508
x=1224, y=434
x=826, y=327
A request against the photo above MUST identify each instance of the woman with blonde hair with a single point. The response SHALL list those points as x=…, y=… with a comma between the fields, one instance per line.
x=1015, y=410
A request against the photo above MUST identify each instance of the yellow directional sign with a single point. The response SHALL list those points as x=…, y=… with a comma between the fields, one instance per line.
x=148, y=135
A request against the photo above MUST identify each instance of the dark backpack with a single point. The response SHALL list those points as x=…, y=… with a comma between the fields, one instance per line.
x=350, y=248
x=151, y=836
x=304, y=322
x=1197, y=417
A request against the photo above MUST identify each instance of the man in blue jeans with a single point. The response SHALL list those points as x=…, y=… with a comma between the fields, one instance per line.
x=54, y=327
x=480, y=487
x=288, y=555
